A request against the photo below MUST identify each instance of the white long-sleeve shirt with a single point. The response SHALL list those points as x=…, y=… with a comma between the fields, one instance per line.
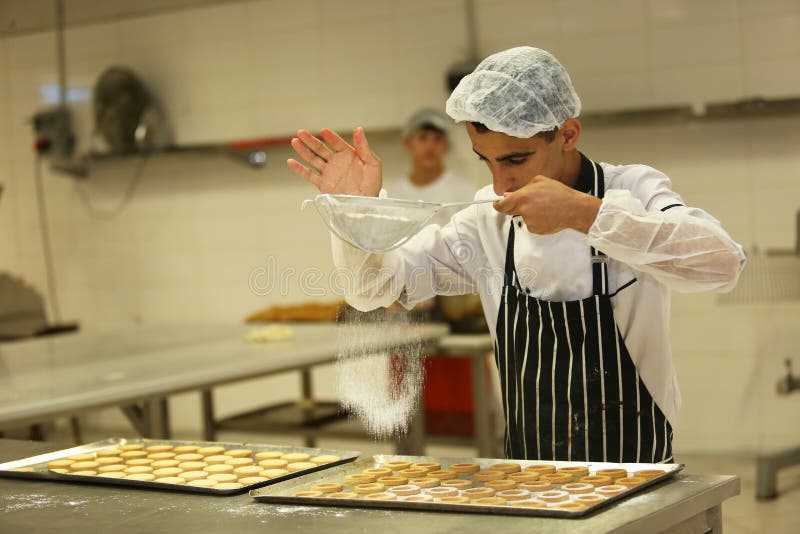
x=680, y=248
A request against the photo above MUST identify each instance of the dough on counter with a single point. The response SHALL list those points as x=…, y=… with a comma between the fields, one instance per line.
x=273, y=332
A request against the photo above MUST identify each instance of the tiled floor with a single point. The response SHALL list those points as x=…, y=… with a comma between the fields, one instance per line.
x=741, y=515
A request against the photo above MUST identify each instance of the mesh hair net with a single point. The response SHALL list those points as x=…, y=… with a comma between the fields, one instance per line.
x=519, y=92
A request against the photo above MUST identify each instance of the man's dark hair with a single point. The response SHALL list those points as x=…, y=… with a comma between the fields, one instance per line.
x=548, y=135
x=428, y=127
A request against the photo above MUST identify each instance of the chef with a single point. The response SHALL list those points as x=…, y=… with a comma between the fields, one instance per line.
x=574, y=264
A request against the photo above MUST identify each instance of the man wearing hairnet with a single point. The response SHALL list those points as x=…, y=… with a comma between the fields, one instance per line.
x=574, y=264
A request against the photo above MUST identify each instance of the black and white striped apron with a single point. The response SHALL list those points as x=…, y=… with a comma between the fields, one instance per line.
x=570, y=390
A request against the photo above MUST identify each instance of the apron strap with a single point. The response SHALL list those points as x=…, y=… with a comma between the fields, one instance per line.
x=599, y=260
x=511, y=278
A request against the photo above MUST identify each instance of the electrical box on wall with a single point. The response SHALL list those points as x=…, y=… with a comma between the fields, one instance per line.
x=55, y=138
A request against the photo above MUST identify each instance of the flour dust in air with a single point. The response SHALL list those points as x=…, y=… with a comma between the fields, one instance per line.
x=381, y=388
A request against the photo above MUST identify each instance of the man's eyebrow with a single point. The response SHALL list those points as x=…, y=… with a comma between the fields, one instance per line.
x=505, y=157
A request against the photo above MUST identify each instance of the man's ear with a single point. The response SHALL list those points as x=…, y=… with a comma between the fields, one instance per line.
x=571, y=131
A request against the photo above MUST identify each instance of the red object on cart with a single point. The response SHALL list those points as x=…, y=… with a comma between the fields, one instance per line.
x=449, y=403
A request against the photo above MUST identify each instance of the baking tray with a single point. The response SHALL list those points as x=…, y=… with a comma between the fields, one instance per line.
x=283, y=493
x=40, y=470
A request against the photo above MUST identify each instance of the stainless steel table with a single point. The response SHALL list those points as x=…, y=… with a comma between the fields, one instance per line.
x=687, y=504
x=136, y=369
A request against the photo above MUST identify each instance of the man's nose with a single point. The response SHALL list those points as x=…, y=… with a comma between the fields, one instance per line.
x=502, y=180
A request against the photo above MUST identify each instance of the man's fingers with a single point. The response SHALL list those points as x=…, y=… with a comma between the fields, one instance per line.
x=362, y=146
x=311, y=157
x=317, y=146
x=506, y=205
x=305, y=172
x=336, y=143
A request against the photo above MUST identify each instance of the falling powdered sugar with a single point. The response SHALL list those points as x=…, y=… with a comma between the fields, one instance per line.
x=380, y=388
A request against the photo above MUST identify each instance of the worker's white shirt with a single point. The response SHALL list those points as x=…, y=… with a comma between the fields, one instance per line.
x=449, y=187
x=682, y=248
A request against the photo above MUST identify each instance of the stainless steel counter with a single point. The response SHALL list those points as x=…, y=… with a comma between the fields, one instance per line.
x=689, y=503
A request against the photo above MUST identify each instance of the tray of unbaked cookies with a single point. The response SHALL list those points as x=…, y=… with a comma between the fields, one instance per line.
x=489, y=486
x=200, y=467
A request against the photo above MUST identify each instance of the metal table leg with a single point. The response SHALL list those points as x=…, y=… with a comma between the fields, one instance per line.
x=209, y=423
x=483, y=430
x=767, y=467
x=307, y=402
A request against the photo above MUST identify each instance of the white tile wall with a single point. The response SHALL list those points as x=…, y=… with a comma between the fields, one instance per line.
x=199, y=226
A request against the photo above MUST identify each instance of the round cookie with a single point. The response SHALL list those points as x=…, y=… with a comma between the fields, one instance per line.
x=132, y=447
x=130, y=455
x=223, y=477
x=162, y=455
x=506, y=468
x=216, y=469
x=478, y=493
x=455, y=499
x=488, y=476
x=296, y=457
x=160, y=464
x=189, y=476
x=465, y=468
x=327, y=487
x=324, y=459
x=239, y=462
x=83, y=466
x=158, y=448
x=184, y=449
x=553, y=496
x=81, y=457
x=211, y=450
x=139, y=461
x=189, y=457
x=268, y=455
x=132, y=470
x=192, y=466
x=428, y=466
x=228, y=485
x=458, y=483
x=60, y=464
x=239, y=453
x=425, y=482
x=112, y=468
x=514, y=494
x=202, y=483
x=381, y=496
x=491, y=501
x=115, y=451
x=167, y=472
x=85, y=473
x=104, y=460
x=247, y=471
x=216, y=459
x=300, y=466
x=273, y=463
x=542, y=469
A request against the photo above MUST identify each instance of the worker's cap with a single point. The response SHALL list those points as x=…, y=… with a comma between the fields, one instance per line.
x=428, y=118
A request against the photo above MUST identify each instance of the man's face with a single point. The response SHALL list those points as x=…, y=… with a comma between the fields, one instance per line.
x=427, y=147
x=514, y=162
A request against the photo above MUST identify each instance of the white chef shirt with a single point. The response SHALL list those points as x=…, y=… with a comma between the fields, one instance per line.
x=679, y=248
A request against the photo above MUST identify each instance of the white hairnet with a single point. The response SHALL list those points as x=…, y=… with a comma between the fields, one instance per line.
x=519, y=92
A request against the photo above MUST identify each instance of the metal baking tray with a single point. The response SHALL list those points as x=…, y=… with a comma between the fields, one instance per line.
x=283, y=493
x=40, y=470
